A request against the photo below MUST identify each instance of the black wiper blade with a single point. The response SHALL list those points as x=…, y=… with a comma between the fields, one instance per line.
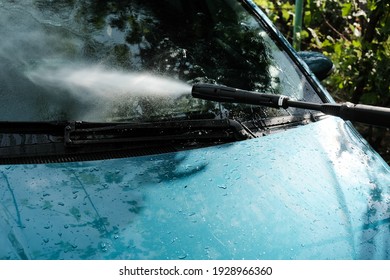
x=80, y=133
x=83, y=133
x=348, y=111
x=42, y=142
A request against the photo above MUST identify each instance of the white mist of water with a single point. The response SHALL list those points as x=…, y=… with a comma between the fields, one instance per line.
x=96, y=92
x=89, y=82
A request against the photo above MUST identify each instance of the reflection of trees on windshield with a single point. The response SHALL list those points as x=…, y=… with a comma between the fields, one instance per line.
x=194, y=40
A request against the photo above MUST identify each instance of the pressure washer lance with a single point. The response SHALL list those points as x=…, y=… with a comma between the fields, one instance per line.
x=348, y=111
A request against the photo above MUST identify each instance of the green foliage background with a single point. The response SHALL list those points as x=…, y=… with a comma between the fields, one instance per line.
x=355, y=34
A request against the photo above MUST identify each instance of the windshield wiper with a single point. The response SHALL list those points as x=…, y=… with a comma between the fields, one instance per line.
x=82, y=133
x=41, y=142
x=348, y=111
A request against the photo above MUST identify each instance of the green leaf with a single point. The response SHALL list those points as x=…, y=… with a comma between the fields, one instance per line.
x=356, y=44
x=307, y=18
x=262, y=3
x=337, y=48
x=326, y=43
x=285, y=14
x=304, y=34
x=346, y=9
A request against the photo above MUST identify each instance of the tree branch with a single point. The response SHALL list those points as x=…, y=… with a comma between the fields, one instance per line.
x=334, y=29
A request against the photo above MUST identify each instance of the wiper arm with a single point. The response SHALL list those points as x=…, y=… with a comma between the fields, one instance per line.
x=348, y=111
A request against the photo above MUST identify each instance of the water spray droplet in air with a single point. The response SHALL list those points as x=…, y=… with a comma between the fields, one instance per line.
x=88, y=81
x=96, y=93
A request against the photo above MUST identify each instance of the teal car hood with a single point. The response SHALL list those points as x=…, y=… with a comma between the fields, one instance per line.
x=313, y=192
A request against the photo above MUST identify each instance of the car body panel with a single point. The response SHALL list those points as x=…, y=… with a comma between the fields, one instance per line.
x=317, y=191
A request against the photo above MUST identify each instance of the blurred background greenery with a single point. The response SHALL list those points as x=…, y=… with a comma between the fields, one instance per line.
x=355, y=35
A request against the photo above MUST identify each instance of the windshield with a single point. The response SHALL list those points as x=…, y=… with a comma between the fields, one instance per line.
x=136, y=60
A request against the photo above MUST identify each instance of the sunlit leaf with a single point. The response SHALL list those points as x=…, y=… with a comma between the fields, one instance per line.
x=346, y=9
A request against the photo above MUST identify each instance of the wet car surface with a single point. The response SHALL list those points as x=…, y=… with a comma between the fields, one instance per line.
x=111, y=158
